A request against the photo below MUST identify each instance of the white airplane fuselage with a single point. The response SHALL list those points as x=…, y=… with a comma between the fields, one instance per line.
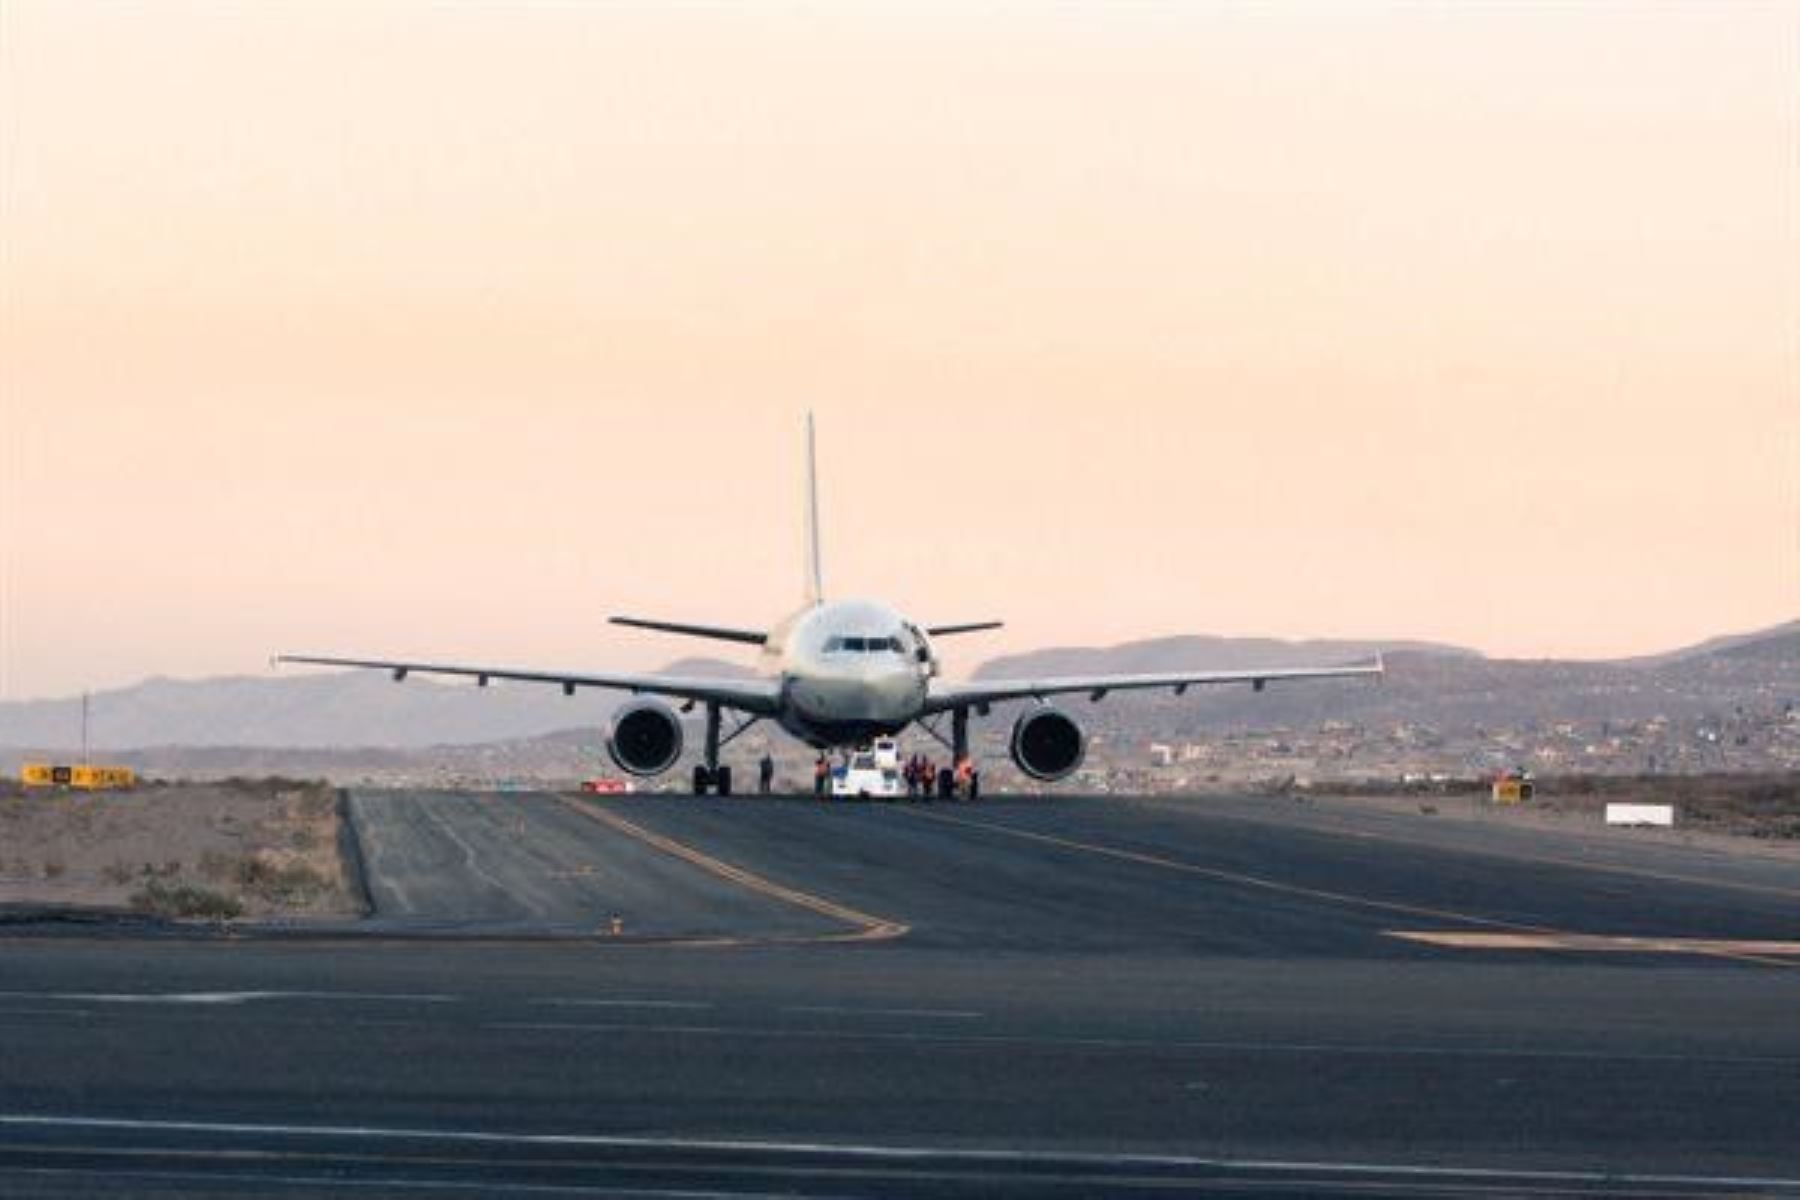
x=850, y=670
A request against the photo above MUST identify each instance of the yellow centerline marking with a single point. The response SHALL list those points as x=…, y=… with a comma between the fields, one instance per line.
x=865, y=928
x=1255, y=881
x=1707, y=947
x=1737, y=948
x=1580, y=864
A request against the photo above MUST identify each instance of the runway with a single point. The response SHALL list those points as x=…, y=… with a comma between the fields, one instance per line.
x=1038, y=996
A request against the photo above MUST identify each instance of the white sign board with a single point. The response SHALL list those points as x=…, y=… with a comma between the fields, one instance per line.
x=1640, y=814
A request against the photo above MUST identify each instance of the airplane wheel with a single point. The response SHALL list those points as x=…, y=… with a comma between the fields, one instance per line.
x=702, y=780
x=722, y=781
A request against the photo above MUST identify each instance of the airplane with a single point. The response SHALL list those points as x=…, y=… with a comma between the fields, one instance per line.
x=837, y=673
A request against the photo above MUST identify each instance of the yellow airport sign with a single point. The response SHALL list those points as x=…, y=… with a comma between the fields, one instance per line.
x=1513, y=789
x=86, y=778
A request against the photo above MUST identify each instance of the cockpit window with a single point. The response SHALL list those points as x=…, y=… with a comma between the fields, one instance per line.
x=864, y=645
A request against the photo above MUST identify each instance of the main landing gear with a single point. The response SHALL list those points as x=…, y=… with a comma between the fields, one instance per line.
x=710, y=774
x=718, y=779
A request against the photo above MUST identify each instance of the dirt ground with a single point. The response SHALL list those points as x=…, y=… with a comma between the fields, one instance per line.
x=249, y=848
x=1757, y=814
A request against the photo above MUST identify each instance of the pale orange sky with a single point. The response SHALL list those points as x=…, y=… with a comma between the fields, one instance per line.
x=415, y=329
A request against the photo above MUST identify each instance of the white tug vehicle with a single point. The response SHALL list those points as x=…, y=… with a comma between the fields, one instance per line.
x=872, y=770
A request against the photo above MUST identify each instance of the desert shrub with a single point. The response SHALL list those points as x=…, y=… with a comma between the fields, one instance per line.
x=184, y=900
x=1780, y=794
x=278, y=882
x=273, y=785
x=217, y=865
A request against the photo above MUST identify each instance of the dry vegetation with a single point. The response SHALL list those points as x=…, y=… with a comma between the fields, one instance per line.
x=1763, y=806
x=1760, y=806
x=240, y=847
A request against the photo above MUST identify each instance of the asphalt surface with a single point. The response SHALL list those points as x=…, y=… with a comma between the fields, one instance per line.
x=510, y=864
x=1022, y=997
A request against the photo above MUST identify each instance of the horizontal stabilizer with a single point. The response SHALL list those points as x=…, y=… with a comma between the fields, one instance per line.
x=968, y=627
x=751, y=637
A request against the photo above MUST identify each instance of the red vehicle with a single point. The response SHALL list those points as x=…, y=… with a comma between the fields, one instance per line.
x=606, y=787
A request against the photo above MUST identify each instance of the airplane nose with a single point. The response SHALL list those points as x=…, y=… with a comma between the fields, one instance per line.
x=866, y=692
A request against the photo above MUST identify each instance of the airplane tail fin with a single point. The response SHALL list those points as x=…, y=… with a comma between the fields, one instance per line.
x=815, y=578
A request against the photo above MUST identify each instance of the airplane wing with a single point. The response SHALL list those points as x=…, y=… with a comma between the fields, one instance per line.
x=759, y=696
x=943, y=697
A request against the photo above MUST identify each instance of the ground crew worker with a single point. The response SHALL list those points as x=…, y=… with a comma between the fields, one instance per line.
x=960, y=784
x=765, y=772
x=910, y=773
x=819, y=776
x=974, y=782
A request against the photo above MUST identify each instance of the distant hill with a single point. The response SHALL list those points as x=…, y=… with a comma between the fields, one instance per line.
x=1427, y=683
x=1759, y=643
x=1440, y=687
x=355, y=708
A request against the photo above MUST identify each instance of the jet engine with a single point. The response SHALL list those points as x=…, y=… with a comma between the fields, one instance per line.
x=1048, y=744
x=645, y=737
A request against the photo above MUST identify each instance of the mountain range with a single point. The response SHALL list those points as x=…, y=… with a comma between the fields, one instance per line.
x=1427, y=683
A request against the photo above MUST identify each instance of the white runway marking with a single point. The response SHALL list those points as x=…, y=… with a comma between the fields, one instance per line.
x=261, y=1183
x=930, y=1014
x=876, y=1152
x=579, y=1002
x=229, y=997
x=45, y=1012
x=840, y=1033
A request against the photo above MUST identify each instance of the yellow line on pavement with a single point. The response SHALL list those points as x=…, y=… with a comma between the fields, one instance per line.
x=866, y=928
x=1255, y=881
x=1731, y=947
x=1712, y=949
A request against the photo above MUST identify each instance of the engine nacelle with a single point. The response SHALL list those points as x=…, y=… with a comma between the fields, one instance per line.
x=1048, y=744
x=645, y=737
